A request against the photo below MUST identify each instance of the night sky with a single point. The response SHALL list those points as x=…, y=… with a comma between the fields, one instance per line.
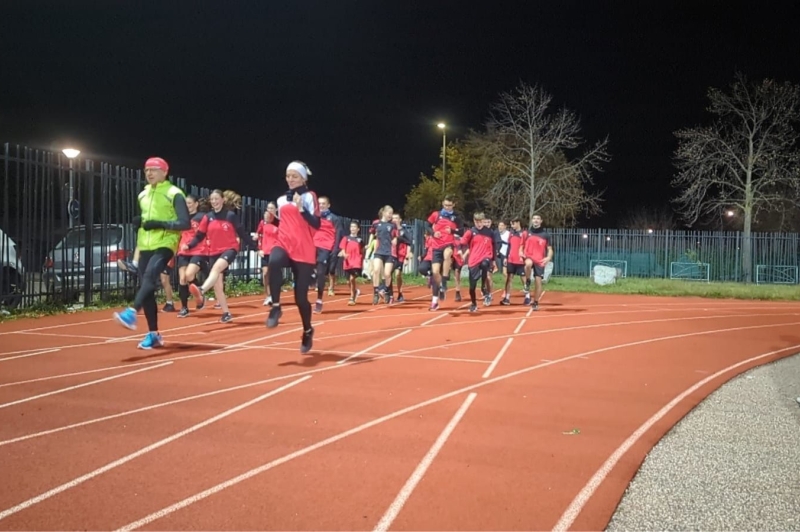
x=230, y=92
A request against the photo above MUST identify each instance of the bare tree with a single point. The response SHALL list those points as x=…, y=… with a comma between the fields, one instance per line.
x=531, y=143
x=747, y=159
x=643, y=218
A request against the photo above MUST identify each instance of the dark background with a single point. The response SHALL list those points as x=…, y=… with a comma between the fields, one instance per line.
x=230, y=92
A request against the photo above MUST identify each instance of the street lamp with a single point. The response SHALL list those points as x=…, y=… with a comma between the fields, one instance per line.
x=730, y=213
x=71, y=153
x=442, y=126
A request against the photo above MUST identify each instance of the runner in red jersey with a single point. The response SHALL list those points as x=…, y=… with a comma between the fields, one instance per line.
x=400, y=255
x=225, y=237
x=191, y=261
x=351, y=249
x=538, y=251
x=298, y=212
x=445, y=227
x=515, y=263
x=480, y=249
x=267, y=235
x=424, y=266
x=327, y=240
x=488, y=286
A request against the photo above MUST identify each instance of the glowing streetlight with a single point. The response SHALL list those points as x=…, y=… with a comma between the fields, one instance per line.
x=650, y=231
x=71, y=153
x=730, y=213
x=443, y=127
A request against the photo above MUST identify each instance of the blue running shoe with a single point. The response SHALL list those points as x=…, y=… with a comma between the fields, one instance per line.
x=127, y=318
x=152, y=340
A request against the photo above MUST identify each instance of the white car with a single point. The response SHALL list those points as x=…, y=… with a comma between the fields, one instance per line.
x=12, y=274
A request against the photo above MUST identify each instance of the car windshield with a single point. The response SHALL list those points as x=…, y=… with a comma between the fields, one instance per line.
x=101, y=237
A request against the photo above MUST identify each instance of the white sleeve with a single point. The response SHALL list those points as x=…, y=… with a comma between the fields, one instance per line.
x=309, y=204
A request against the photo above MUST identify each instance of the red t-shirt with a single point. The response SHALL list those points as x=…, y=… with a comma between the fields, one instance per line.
x=222, y=232
x=325, y=236
x=353, y=248
x=515, y=240
x=199, y=224
x=536, y=244
x=447, y=225
x=267, y=236
x=480, y=243
x=295, y=234
x=428, y=249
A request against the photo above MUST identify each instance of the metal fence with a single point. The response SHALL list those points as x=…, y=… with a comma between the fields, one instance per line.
x=62, y=218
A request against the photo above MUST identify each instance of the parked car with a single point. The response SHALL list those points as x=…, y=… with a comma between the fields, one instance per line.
x=12, y=274
x=65, y=265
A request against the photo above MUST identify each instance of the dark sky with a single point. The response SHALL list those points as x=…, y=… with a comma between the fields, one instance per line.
x=230, y=92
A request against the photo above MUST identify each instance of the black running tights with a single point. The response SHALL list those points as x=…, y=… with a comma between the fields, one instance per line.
x=278, y=260
x=151, y=264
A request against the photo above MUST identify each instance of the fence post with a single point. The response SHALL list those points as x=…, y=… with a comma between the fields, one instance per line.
x=88, y=220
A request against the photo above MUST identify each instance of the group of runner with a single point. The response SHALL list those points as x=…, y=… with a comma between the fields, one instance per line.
x=300, y=233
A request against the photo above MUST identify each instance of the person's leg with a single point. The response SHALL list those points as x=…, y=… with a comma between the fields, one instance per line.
x=303, y=276
x=151, y=264
x=474, y=276
x=278, y=260
x=388, y=268
x=166, y=284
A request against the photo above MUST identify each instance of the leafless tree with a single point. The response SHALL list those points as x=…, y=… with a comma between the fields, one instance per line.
x=532, y=143
x=644, y=218
x=746, y=160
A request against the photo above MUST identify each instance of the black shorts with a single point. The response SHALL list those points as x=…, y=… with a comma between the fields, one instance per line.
x=386, y=259
x=476, y=272
x=398, y=264
x=353, y=272
x=536, y=270
x=515, y=269
x=424, y=268
x=500, y=261
x=438, y=254
x=327, y=258
x=200, y=261
x=265, y=261
x=229, y=256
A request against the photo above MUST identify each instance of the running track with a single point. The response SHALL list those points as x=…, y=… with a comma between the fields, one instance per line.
x=403, y=419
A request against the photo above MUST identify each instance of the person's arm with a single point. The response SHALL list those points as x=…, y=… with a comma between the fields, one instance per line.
x=339, y=235
x=309, y=209
x=244, y=238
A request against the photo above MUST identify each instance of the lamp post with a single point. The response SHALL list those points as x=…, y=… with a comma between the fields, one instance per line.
x=442, y=126
x=71, y=153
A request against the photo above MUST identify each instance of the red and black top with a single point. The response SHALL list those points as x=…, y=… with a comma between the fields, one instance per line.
x=199, y=224
x=296, y=230
x=221, y=232
x=481, y=244
x=536, y=244
x=353, y=247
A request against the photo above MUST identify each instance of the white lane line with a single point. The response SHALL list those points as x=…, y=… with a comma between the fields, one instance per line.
x=375, y=346
x=397, y=505
x=388, y=417
x=521, y=324
x=142, y=451
x=497, y=358
x=580, y=500
x=35, y=353
x=85, y=384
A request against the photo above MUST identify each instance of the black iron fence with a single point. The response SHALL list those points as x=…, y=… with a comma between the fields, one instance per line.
x=65, y=223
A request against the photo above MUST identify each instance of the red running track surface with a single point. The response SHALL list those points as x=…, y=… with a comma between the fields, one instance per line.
x=400, y=419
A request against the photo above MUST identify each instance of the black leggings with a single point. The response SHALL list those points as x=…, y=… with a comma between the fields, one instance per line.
x=478, y=273
x=151, y=264
x=278, y=260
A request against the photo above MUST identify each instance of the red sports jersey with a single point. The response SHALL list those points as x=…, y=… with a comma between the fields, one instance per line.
x=446, y=225
x=515, y=240
x=295, y=234
x=199, y=224
x=536, y=245
x=480, y=243
x=353, y=248
x=222, y=233
x=325, y=236
x=267, y=236
x=428, y=249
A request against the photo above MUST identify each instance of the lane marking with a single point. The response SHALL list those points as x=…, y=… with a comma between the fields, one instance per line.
x=580, y=500
x=33, y=354
x=84, y=385
x=365, y=426
x=497, y=358
x=370, y=348
x=75, y=482
x=405, y=492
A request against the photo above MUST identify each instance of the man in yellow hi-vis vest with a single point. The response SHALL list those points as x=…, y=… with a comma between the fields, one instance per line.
x=163, y=216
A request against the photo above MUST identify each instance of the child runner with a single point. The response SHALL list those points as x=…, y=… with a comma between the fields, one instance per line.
x=488, y=286
x=515, y=264
x=298, y=211
x=480, y=247
x=191, y=261
x=164, y=216
x=382, y=262
x=352, y=250
x=327, y=240
x=424, y=267
x=225, y=237
x=538, y=251
x=266, y=235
